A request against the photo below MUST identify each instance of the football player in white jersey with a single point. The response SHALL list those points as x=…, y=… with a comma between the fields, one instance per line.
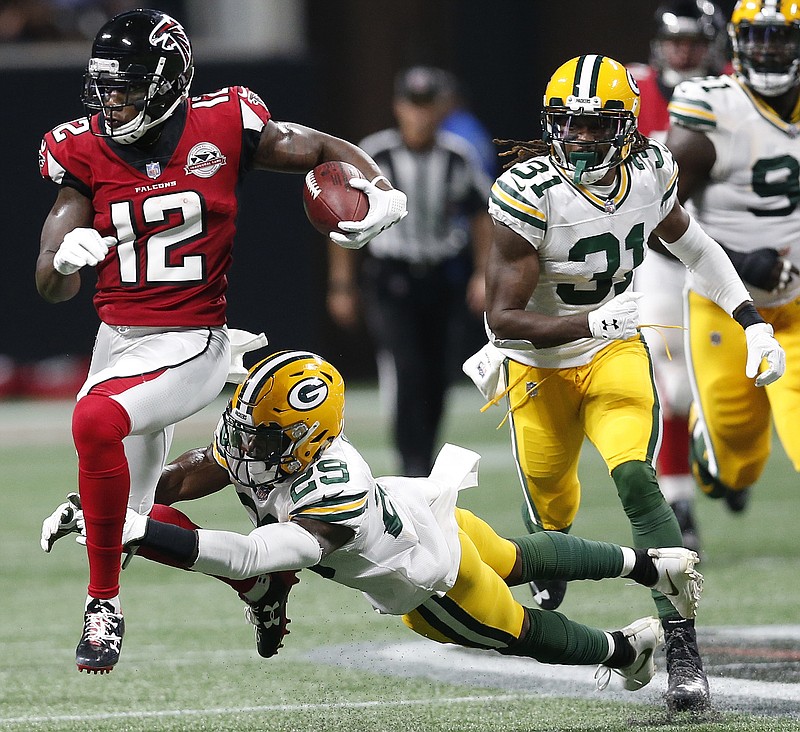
x=402, y=541
x=736, y=139
x=689, y=41
x=572, y=215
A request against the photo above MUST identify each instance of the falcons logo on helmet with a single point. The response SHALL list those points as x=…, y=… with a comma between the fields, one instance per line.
x=170, y=35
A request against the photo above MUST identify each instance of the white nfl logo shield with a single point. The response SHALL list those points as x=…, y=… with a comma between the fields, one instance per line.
x=153, y=170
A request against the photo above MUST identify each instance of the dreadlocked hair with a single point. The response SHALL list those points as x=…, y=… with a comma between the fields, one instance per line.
x=521, y=151
x=526, y=150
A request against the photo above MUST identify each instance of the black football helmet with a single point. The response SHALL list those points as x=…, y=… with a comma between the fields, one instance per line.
x=698, y=20
x=140, y=58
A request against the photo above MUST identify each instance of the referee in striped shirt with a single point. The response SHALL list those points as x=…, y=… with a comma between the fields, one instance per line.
x=420, y=284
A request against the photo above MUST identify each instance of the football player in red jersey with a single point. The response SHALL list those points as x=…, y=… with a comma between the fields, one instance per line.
x=689, y=41
x=147, y=195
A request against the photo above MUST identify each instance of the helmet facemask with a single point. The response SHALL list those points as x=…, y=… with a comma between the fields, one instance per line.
x=587, y=145
x=589, y=116
x=153, y=96
x=258, y=457
x=767, y=56
x=281, y=418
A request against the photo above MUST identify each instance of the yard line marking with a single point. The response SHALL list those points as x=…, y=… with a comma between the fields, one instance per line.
x=452, y=664
x=265, y=708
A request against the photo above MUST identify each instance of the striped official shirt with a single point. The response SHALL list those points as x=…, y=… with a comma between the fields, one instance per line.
x=445, y=186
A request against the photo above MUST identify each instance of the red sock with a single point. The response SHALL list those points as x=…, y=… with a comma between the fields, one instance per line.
x=673, y=459
x=98, y=426
x=170, y=515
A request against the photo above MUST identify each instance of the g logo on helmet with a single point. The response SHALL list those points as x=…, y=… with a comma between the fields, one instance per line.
x=307, y=394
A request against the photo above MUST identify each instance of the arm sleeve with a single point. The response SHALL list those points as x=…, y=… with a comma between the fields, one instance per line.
x=271, y=548
x=714, y=273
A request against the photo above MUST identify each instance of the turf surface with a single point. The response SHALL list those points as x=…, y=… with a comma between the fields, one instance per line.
x=189, y=662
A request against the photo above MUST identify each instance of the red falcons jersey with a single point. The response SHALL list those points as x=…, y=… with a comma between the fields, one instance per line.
x=171, y=207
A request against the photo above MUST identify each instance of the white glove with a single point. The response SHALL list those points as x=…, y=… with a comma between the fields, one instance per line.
x=242, y=341
x=134, y=529
x=762, y=344
x=385, y=208
x=81, y=247
x=66, y=519
x=618, y=319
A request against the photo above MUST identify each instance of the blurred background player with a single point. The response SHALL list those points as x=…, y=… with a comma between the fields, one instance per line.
x=423, y=281
x=402, y=541
x=573, y=213
x=689, y=41
x=148, y=184
x=736, y=140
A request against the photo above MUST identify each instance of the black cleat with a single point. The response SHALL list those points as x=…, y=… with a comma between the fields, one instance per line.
x=737, y=500
x=101, y=642
x=687, y=689
x=684, y=512
x=548, y=594
x=268, y=614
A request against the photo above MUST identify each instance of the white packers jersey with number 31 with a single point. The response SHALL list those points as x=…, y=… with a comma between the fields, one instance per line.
x=589, y=238
x=752, y=196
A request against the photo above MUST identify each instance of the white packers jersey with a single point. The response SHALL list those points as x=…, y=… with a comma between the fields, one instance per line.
x=589, y=239
x=751, y=200
x=405, y=548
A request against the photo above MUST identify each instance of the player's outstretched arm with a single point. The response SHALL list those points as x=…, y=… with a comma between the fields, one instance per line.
x=192, y=475
x=274, y=547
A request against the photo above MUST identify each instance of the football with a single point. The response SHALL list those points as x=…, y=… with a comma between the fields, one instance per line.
x=328, y=197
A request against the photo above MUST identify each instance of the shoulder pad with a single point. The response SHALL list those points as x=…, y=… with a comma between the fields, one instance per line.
x=693, y=102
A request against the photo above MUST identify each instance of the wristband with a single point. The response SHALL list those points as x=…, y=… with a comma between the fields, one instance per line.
x=747, y=315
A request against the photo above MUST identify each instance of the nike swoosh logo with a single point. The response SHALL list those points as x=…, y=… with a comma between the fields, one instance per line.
x=645, y=659
x=675, y=590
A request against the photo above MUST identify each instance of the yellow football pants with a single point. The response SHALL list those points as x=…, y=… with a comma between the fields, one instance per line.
x=735, y=414
x=479, y=611
x=611, y=400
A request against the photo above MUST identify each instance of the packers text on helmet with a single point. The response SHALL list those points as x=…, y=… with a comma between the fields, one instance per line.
x=591, y=104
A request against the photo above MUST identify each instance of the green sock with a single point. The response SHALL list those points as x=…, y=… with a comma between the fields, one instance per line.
x=554, y=638
x=553, y=555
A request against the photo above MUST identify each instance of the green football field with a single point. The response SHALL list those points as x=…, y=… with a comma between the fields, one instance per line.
x=189, y=661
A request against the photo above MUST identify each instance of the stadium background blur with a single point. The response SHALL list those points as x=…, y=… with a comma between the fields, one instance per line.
x=329, y=65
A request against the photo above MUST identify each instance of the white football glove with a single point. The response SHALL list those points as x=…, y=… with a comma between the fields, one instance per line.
x=385, y=208
x=81, y=247
x=761, y=344
x=66, y=519
x=134, y=529
x=242, y=341
x=618, y=319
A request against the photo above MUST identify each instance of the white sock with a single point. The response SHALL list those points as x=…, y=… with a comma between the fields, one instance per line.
x=628, y=560
x=611, y=646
